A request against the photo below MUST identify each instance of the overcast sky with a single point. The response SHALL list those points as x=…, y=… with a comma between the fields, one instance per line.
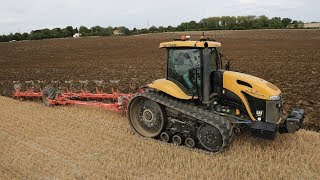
x=27, y=15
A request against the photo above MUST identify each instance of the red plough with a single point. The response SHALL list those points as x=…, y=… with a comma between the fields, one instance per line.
x=57, y=95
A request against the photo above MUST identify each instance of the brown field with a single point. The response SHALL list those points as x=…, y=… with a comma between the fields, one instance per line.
x=37, y=142
x=288, y=58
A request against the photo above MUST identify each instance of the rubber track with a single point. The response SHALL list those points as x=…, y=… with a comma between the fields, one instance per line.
x=204, y=116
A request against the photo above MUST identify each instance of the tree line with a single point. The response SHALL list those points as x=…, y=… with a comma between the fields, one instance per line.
x=210, y=23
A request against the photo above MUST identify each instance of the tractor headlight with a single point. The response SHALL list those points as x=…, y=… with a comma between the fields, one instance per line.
x=274, y=98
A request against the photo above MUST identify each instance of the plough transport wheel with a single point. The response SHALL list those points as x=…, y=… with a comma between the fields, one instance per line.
x=146, y=117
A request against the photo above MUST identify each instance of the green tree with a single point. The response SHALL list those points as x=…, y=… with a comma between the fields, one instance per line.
x=286, y=22
x=203, y=24
x=242, y=22
x=261, y=22
x=84, y=31
x=10, y=37
x=301, y=24
x=75, y=30
x=34, y=35
x=4, y=38
x=231, y=22
x=275, y=23
x=95, y=30
x=162, y=29
x=144, y=31
x=193, y=25
x=17, y=37
x=134, y=31
x=211, y=23
x=183, y=26
x=264, y=20
x=297, y=24
x=56, y=33
x=257, y=24
x=25, y=36
x=171, y=28
x=246, y=22
x=46, y=34
x=223, y=22
x=108, y=31
x=67, y=32
x=125, y=30
x=153, y=29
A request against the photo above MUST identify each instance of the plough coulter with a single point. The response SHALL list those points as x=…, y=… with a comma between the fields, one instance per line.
x=77, y=93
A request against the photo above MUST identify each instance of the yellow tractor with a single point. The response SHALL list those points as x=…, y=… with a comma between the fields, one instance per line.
x=200, y=104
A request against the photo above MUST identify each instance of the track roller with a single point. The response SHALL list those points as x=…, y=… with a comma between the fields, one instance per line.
x=166, y=136
x=190, y=142
x=178, y=139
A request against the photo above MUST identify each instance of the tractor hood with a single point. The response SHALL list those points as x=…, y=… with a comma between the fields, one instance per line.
x=240, y=83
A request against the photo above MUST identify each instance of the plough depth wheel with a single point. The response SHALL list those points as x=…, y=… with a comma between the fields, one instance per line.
x=49, y=93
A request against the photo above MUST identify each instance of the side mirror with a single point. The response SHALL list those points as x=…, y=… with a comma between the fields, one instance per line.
x=227, y=66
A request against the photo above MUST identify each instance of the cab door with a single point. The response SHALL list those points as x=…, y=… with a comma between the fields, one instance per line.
x=184, y=68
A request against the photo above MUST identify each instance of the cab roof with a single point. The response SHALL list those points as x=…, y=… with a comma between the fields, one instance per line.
x=194, y=44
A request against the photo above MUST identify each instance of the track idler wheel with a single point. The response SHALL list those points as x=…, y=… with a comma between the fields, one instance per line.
x=146, y=117
x=49, y=93
x=166, y=136
x=210, y=137
x=178, y=139
x=190, y=142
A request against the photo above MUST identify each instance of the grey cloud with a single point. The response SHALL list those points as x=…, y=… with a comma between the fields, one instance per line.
x=27, y=15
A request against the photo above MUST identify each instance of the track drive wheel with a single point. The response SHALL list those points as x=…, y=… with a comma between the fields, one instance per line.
x=146, y=117
x=210, y=138
x=49, y=93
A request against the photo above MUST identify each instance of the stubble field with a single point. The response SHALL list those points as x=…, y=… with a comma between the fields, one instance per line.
x=37, y=142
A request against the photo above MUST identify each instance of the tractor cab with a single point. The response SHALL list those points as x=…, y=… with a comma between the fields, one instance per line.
x=185, y=66
x=192, y=65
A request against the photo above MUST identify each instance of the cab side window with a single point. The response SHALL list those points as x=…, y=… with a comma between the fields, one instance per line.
x=212, y=59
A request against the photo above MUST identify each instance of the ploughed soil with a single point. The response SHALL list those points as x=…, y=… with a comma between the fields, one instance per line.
x=290, y=59
x=72, y=142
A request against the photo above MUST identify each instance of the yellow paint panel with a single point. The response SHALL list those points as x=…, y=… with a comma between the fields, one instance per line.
x=169, y=87
x=261, y=89
x=196, y=44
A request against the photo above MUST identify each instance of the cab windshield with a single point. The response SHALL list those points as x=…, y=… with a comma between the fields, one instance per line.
x=184, y=68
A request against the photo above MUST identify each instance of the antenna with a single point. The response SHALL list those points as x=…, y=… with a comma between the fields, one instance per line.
x=202, y=13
